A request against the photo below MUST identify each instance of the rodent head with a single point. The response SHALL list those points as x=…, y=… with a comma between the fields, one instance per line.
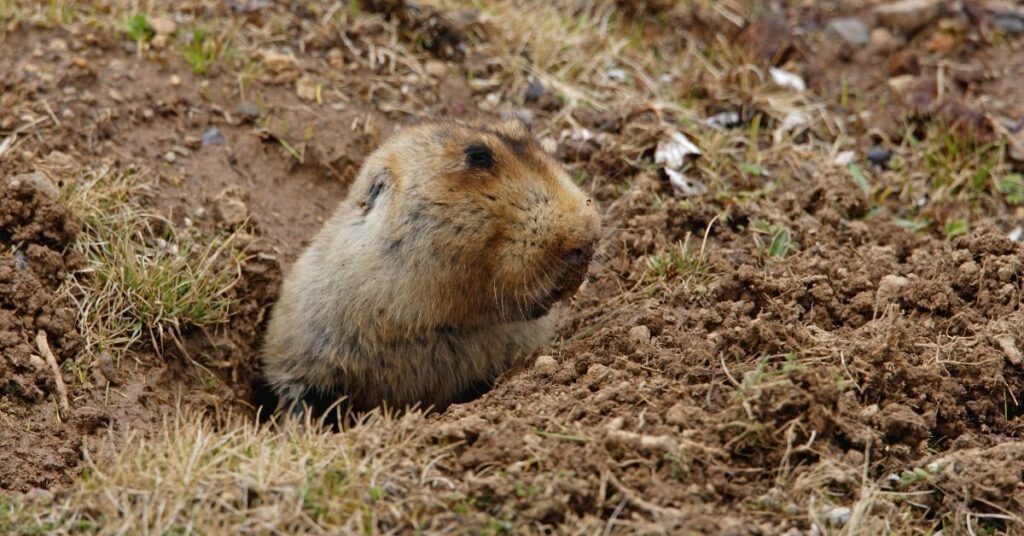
x=481, y=224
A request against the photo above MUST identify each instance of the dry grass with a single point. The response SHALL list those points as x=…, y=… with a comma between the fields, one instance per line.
x=237, y=477
x=143, y=280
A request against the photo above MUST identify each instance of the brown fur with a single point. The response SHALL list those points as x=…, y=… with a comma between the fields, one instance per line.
x=435, y=274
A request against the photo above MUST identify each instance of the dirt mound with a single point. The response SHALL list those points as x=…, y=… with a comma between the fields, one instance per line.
x=37, y=230
x=867, y=343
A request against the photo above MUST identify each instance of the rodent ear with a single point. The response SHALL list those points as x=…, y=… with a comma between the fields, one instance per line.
x=379, y=182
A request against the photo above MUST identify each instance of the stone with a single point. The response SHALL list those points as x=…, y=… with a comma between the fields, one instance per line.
x=884, y=42
x=533, y=91
x=279, y=62
x=907, y=16
x=248, y=112
x=879, y=156
x=851, y=30
x=306, y=88
x=436, y=69
x=163, y=25
x=231, y=210
x=41, y=183
x=212, y=136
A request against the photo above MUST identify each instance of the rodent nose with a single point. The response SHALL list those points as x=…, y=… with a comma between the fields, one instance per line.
x=579, y=256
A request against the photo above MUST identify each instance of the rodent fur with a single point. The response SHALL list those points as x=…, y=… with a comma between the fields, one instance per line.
x=436, y=273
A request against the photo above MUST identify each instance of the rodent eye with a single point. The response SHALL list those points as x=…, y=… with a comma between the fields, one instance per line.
x=479, y=156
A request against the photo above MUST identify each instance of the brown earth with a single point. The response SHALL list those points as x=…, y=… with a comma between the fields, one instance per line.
x=682, y=402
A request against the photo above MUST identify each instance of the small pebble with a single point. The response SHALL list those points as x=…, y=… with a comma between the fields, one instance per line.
x=879, y=156
x=436, y=69
x=20, y=263
x=212, y=136
x=248, y=112
x=534, y=91
x=837, y=516
x=851, y=30
x=175, y=80
x=107, y=368
x=170, y=157
x=163, y=25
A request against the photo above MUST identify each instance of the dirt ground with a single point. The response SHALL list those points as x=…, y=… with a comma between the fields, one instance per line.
x=793, y=350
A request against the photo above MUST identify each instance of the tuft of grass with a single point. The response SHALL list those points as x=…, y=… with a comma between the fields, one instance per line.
x=955, y=228
x=200, y=51
x=138, y=28
x=780, y=245
x=679, y=269
x=198, y=476
x=142, y=279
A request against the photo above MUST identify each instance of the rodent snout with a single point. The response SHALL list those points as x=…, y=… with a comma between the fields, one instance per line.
x=579, y=257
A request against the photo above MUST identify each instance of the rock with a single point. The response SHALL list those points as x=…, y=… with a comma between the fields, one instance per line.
x=546, y=364
x=836, y=516
x=907, y=16
x=901, y=423
x=306, y=88
x=1009, y=22
x=851, y=30
x=41, y=183
x=640, y=334
x=1017, y=234
x=212, y=136
x=1015, y=145
x=248, y=112
x=159, y=42
x=231, y=210
x=436, y=69
x=174, y=80
x=20, y=262
x=884, y=42
x=1010, y=350
x=108, y=369
x=901, y=84
x=879, y=156
x=533, y=92
x=163, y=25
x=336, y=58
x=59, y=45
x=279, y=62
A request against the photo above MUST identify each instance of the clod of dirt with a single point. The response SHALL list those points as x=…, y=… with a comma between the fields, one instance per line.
x=901, y=423
x=546, y=364
x=640, y=334
x=230, y=209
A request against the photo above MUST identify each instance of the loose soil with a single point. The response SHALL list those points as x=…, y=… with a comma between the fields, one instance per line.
x=685, y=400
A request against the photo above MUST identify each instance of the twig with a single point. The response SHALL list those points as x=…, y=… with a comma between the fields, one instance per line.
x=636, y=500
x=62, y=390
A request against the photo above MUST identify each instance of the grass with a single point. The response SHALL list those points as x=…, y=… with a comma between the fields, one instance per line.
x=138, y=28
x=142, y=279
x=197, y=476
x=146, y=282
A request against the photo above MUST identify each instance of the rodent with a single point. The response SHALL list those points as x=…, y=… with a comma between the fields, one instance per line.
x=434, y=275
